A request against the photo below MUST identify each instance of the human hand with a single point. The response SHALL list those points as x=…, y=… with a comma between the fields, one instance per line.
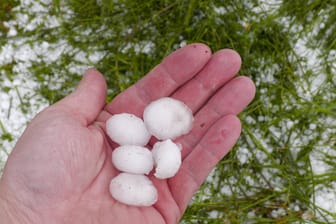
x=60, y=169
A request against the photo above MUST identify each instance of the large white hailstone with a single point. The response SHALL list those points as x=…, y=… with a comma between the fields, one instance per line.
x=167, y=158
x=168, y=118
x=127, y=129
x=133, y=159
x=133, y=189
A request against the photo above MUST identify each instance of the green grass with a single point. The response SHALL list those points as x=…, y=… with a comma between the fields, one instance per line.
x=277, y=137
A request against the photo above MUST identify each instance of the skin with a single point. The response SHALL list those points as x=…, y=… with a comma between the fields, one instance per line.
x=60, y=169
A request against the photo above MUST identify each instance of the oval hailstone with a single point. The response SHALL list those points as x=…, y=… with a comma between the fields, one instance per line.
x=127, y=129
x=167, y=158
x=133, y=189
x=133, y=159
x=168, y=118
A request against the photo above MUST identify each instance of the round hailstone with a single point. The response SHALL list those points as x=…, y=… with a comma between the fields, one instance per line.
x=133, y=189
x=133, y=159
x=167, y=118
x=127, y=129
x=167, y=158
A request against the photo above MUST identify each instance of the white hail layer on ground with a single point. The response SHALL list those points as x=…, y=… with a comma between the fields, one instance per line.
x=324, y=197
x=21, y=52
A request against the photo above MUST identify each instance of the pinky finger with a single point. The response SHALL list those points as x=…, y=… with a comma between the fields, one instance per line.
x=215, y=144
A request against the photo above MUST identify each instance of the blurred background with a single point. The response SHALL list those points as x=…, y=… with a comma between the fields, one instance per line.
x=283, y=168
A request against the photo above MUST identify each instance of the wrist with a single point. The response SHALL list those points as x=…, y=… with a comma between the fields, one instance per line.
x=5, y=212
x=13, y=212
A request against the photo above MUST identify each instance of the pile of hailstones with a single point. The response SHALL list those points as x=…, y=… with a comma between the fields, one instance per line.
x=166, y=119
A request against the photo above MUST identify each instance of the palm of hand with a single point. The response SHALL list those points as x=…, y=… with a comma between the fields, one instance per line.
x=62, y=162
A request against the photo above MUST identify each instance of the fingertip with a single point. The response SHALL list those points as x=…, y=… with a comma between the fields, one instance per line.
x=88, y=98
x=225, y=132
x=188, y=60
x=201, y=47
x=249, y=87
x=234, y=96
x=230, y=59
x=92, y=75
x=233, y=124
x=93, y=83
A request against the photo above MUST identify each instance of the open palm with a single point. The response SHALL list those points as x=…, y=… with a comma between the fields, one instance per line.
x=60, y=169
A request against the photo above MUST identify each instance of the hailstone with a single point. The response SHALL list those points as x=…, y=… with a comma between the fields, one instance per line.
x=168, y=118
x=167, y=159
x=132, y=159
x=133, y=189
x=127, y=129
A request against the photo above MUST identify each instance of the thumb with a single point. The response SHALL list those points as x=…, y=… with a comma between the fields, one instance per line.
x=87, y=101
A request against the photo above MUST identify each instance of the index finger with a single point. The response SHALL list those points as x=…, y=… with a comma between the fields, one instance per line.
x=176, y=69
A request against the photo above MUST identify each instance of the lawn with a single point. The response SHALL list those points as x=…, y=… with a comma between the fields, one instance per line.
x=282, y=169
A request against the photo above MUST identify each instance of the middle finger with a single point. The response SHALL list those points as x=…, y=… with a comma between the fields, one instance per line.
x=222, y=66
